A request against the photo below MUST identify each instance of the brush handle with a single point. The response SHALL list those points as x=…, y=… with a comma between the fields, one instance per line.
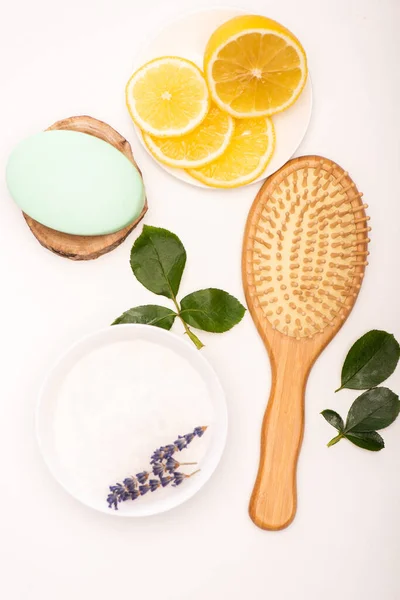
x=274, y=499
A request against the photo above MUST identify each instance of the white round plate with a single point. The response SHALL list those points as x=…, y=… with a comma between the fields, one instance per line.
x=116, y=396
x=187, y=37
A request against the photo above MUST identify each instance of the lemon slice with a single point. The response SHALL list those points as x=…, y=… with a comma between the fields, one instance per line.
x=246, y=157
x=167, y=97
x=198, y=148
x=254, y=67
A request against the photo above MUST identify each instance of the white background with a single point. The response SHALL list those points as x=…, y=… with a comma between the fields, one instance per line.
x=61, y=59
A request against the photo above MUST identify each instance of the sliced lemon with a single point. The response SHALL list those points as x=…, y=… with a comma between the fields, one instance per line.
x=246, y=157
x=198, y=148
x=254, y=67
x=168, y=97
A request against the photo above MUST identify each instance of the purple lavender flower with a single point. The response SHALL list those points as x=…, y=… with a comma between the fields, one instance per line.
x=184, y=440
x=172, y=464
x=157, y=455
x=169, y=450
x=112, y=500
x=117, y=488
x=189, y=437
x=143, y=489
x=142, y=477
x=122, y=492
x=159, y=468
x=199, y=431
x=166, y=480
x=181, y=443
x=154, y=484
x=130, y=483
x=178, y=478
x=162, y=452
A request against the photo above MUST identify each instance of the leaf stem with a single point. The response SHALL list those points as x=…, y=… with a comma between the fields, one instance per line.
x=198, y=343
x=335, y=440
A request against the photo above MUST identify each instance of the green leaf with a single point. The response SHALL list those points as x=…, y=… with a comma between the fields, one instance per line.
x=370, y=360
x=211, y=310
x=333, y=419
x=151, y=314
x=368, y=440
x=157, y=260
x=374, y=409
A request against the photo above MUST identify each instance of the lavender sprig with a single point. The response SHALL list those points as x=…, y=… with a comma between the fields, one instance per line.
x=162, y=462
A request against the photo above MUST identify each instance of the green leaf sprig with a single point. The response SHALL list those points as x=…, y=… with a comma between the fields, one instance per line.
x=158, y=259
x=368, y=363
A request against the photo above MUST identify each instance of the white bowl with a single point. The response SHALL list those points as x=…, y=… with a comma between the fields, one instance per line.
x=187, y=36
x=117, y=395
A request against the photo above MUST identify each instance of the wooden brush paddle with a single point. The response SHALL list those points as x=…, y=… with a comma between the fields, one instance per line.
x=304, y=256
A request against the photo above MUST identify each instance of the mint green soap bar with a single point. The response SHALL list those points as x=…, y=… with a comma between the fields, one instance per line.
x=75, y=183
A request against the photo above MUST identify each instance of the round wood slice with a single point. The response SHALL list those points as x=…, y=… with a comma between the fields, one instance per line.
x=85, y=247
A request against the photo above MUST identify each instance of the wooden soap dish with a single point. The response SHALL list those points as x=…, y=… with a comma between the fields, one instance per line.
x=83, y=247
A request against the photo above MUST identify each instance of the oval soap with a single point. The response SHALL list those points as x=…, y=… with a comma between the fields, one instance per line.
x=75, y=183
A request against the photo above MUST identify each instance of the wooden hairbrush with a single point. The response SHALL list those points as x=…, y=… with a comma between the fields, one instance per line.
x=304, y=256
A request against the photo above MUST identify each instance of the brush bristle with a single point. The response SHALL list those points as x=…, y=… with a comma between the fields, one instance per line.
x=308, y=249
